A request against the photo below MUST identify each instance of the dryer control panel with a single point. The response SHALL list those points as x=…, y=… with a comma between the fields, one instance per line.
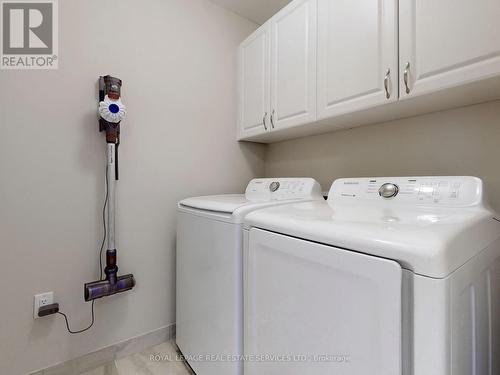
x=266, y=189
x=447, y=191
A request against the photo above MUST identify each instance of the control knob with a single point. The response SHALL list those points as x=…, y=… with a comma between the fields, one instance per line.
x=275, y=185
x=388, y=190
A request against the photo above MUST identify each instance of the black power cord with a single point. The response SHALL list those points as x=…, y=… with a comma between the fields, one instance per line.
x=81, y=330
x=101, y=275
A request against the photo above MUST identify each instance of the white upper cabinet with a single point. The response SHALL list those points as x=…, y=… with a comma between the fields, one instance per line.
x=357, y=55
x=293, y=64
x=321, y=65
x=254, y=83
x=447, y=43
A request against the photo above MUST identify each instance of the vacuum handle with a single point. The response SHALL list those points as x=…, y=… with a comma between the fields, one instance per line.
x=116, y=160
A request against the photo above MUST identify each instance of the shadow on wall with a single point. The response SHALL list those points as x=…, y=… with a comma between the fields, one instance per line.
x=253, y=153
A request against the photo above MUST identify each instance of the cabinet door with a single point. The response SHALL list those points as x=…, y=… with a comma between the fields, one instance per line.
x=254, y=66
x=293, y=64
x=446, y=43
x=357, y=55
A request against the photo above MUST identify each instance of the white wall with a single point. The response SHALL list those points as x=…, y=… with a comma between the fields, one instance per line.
x=177, y=59
x=462, y=141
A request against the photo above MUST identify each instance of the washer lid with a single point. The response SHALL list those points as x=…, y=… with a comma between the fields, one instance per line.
x=260, y=192
x=227, y=203
x=431, y=228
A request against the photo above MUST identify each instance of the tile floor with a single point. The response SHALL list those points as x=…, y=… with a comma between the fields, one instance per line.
x=157, y=360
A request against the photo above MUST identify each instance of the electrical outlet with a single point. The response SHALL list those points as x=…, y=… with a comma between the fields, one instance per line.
x=41, y=300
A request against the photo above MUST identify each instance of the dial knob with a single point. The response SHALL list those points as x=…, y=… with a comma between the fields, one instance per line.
x=388, y=190
x=275, y=185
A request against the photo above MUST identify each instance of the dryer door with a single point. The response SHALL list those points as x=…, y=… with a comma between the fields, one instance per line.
x=317, y=309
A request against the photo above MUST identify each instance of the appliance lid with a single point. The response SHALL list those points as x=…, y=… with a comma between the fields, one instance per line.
x=431, y=231
x=260, y=192
x=227, y=203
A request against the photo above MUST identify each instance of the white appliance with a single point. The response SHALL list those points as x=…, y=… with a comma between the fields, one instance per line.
x=390, y=276
x=210, y=270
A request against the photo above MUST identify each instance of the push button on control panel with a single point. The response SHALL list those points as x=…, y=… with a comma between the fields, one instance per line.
x=388, y=190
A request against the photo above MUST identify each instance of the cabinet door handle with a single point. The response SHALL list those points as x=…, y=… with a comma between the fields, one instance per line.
x=264, y=121
x=406, y=76
x=386, y=83
x=272, y=119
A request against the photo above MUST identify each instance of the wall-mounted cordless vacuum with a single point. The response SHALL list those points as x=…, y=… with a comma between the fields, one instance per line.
x=111, y=112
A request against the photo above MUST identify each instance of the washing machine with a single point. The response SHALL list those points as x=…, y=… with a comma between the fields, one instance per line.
x=209, y=305
x=390, y=276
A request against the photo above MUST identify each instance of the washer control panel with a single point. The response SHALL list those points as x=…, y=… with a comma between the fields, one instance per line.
x=282, y=188
x=447, y=191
